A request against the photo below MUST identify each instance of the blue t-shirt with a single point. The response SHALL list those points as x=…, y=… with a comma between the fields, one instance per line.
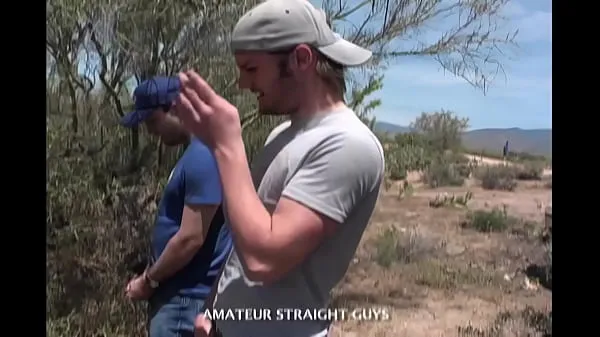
x=194, y=180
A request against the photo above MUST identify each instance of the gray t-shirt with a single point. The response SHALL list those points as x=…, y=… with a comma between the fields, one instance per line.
x=334, y=164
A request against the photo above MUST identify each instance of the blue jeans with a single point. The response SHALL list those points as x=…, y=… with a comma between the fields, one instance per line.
x=172, y=316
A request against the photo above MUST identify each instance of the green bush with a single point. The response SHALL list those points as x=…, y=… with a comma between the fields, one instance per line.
x=495, y=220
x=406, y=152
x=501, y=177
x=549, y=183
x=447, y=200
x=463, y=170
x=531, y=170
x=527, y=322
x=394, y=246
x=461, y=163
x=443, y=173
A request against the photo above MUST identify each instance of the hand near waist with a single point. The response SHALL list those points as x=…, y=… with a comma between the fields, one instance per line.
x=138, y=288
x=203, y=327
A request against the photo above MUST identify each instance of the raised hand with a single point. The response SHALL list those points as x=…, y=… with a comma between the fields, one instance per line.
x=205, y=113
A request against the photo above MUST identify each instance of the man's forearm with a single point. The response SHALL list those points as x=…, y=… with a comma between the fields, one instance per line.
x=248, y=218
x=177, y=254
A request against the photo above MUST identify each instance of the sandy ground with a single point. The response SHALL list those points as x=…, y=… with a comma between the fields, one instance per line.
x=457, y=276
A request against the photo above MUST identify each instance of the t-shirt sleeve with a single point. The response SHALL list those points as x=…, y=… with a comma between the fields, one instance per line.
x=201, y=174
x=336, y=175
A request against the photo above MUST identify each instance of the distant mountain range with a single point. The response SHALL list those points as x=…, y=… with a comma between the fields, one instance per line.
x=534, y=141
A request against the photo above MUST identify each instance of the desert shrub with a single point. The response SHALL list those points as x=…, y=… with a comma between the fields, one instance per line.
x=547, y=240
x=436, y=274
x=527, y=157
x=542, y=271
x=516, y=157
x=463, y=165
x=548, y=183
x=455, y=158
x=98, y=218
x=527, y=322
x=394, y=246
x=443, y=173
x=463, y=170
x=406, y=152
x=401, y=159
x=548, y=270
x=501, y=177
x=531, y=170
x=405, y=191
x=431, y=146
x=447, y=200
x=495, y=220
x=94, y=237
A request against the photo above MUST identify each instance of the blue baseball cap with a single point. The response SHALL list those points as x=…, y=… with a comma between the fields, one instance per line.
x=152, y=94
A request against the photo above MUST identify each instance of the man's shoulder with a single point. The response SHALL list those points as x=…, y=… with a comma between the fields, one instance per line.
x=349, y=148
x=197, y=145
x=196, y=151
x=350, y=135
x=197, y=155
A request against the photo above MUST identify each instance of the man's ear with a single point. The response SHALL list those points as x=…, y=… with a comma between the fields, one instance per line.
x=304, y=57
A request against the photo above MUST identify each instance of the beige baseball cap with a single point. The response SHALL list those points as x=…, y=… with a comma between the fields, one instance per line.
x=279, y=24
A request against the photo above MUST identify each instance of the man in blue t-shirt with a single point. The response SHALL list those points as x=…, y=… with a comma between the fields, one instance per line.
x=189, y=241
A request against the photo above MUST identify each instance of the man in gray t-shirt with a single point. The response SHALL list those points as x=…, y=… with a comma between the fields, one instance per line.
x=298, y=214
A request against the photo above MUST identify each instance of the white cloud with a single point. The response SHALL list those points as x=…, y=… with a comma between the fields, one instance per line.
x=514, y=9
x=535, y=26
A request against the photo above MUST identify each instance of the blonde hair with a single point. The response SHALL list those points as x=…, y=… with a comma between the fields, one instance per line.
x=332, y=73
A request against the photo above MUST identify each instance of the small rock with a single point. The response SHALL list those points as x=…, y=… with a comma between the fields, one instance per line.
x=530, y=285
x=454, y=249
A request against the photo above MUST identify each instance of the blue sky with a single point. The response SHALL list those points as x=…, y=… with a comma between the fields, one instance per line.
x=521, y=99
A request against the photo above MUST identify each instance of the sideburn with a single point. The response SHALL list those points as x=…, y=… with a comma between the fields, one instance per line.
x=284, y=69
x=286, y=75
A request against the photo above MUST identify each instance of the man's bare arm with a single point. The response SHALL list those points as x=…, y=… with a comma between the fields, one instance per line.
x=181, y=248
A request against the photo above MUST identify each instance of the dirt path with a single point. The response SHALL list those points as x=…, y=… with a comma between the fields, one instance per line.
x=486, y=160
x=494, y=161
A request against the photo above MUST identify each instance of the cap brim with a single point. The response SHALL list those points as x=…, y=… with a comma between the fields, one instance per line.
x=134, y=118
x=346, y=53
